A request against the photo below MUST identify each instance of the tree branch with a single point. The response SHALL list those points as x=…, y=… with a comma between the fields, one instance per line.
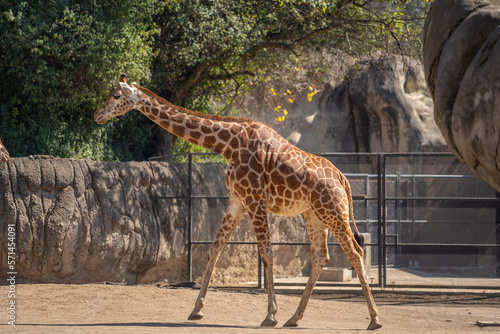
x=202, y=67
x=230, y=102
x=287, y=46
x=191, y=80
x=230, y=76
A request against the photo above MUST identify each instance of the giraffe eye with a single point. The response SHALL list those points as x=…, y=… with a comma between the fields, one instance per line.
x=117, y=97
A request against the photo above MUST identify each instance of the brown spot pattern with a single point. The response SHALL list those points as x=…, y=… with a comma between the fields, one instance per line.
x=266, y=172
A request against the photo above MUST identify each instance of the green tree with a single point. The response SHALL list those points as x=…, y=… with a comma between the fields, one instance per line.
x=223, y=47
x=218, y=40
x=57, y=58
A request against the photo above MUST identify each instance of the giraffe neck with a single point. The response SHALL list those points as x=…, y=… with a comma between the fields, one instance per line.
x=215, y=135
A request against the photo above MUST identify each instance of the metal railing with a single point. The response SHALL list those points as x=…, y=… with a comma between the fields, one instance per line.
x=384, y=241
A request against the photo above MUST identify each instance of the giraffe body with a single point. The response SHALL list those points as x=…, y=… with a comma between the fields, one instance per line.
x=4, y=155
x=266, y=174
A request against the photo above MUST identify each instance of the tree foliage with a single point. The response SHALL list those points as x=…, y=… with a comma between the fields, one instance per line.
x=223, y=39
x=223, y=48
x=56, y=59
x=59, y=57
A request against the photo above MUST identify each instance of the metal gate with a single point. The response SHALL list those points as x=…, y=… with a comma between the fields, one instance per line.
x=426, y=214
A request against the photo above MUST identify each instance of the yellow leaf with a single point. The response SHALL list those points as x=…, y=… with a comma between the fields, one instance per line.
x=272, y=90
x=285, y=112
x=310, y=96
x=290, y=100
x=277, y=108
x=289, y=92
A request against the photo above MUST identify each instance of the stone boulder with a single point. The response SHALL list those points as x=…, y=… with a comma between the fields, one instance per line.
x=381, y=104
x=461, y=62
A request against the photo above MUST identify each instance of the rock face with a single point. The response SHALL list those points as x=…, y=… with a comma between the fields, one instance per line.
x=82, y=221
x=382, y=105
x=461, y=60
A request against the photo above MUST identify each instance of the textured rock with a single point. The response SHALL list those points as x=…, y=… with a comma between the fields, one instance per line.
x=461, y=68
x=80, y=221
x=382, y=105
x=84, y=221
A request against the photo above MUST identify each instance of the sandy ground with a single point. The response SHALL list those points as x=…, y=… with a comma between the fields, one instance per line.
x=99, y=308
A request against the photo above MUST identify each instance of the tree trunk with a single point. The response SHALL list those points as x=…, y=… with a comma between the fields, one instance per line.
x=164, y=141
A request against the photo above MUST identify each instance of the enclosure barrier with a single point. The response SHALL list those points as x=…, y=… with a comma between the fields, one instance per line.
x=403, y=182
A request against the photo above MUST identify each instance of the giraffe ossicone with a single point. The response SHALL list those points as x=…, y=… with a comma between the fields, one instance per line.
x=266, y=174
x=4, y=155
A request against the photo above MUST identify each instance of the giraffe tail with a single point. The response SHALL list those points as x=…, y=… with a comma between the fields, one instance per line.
x=357, y=236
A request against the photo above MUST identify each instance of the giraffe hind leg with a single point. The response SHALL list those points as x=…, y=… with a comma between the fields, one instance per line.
x=260, y=224
x=348, y=244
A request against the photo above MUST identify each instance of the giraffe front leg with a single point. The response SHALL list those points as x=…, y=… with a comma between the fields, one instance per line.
x=319, y=250
x=232, y=217
x=272, y=308
x=258, y=216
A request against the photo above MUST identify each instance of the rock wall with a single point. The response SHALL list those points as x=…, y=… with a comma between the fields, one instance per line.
x=461, y=59
x=80, y=221
x=84, y=221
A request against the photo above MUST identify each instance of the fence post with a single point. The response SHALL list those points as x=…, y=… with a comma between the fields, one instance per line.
x=399, y=217
x=190, y=223
x=382, y=220
x=379, y=217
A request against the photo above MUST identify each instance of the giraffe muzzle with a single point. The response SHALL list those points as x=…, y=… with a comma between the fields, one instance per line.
x=4, y=155
x=100, y=119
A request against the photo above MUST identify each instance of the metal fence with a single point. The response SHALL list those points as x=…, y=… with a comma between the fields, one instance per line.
x=426, y=214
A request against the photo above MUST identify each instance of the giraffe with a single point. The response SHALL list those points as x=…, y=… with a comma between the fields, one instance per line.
x=266, y=174
x=4, y=155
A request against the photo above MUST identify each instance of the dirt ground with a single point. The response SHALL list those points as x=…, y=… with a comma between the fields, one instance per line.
x=101, y=308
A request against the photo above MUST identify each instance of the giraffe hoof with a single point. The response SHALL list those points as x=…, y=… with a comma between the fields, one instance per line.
x=291, y=323
x=195, y=316
x=374, y=325
x=269, y=323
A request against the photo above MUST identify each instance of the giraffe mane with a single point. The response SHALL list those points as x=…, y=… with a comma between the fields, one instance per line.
x=190, y=112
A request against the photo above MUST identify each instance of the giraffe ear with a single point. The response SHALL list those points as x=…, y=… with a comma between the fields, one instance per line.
x=127, y=90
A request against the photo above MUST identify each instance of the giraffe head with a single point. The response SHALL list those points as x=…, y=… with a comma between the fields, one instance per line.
x=121, y=99
x=4, y=155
